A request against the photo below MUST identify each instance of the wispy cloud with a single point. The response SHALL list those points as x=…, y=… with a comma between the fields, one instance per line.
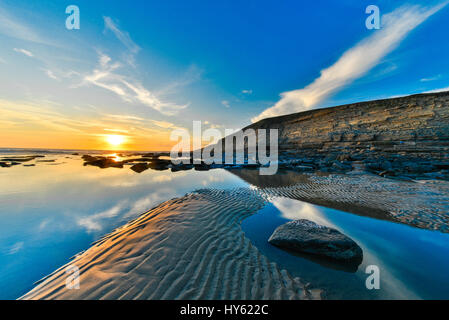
x=25, y=52
x=248, y=92
x=117, y=130
x=106, y=77
x=122, y=36
x=431, y=78
x=13, y=27
x=355, y=62
x=125, y=118
x=438, y=90
x=226, y=103
x=50, y=74
x=163, y=124
x=94, y=222
x=15, y=248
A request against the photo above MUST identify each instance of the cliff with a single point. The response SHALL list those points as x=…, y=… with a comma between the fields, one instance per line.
x=407, y=135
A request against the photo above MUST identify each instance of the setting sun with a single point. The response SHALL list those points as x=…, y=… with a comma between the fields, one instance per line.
x=115, y=140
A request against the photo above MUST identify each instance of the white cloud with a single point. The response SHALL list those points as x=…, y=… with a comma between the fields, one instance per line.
x=15, y=248
x=14, y=28
x=94, y=222
x=25, y=52
x=125, y=118
x=438, y=90
x=104, y=60
x=122, y=36
x=355, y=62
x=50, y=74
x=117, y=130
x=248, y=92
x=105, y=77
x=225, y=103
x=163, y=124
x=431, y=78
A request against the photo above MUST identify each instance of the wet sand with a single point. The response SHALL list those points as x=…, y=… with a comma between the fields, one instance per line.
x=422, y=203
x=193, y=247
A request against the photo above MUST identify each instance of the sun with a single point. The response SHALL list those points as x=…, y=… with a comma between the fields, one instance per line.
x=115, y=140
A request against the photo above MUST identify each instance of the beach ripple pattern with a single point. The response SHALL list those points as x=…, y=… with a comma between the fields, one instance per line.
x=192, y=247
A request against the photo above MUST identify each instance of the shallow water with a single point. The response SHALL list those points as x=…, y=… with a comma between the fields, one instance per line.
x=413, y=263
x=54, y=210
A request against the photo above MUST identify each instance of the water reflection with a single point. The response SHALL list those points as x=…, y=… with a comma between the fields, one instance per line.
x=49, y=213
x=410, y=267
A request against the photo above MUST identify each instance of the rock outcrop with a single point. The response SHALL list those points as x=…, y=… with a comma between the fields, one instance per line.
x=305, y=236
x=407, y=136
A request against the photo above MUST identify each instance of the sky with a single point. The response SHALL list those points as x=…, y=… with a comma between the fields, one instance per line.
x=135, y=71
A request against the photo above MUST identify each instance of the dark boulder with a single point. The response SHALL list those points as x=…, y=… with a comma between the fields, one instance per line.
x=305, y=236
x=104, y=163
x=139, y=167
x=88, y=158
x=159, y=164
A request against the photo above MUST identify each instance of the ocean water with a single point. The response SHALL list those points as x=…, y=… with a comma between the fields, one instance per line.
x=54, y=210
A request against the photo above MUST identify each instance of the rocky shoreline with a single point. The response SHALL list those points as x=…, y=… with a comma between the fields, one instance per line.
x=406, y=137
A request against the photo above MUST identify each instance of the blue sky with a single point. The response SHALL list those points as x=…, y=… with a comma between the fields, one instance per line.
x=145, y=67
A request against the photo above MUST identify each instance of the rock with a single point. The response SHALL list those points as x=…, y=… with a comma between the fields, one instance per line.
x=21, y=158
x=201, y=167
x=87, y=157
x=338, y=166
x=435, y=175
x=181, y=167
x=441, y=165
x=139, y=167
x=4, y=165
x=103, y=163
x=344, y=157
x=386, y=133
x=386, y=165
x=388, y=173
x=308, y=237
x=159, y=164
x=304, y=168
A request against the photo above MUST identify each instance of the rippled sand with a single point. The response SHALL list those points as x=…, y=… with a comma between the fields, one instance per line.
x=187, y=248
x=193, y=247
x=423, y=204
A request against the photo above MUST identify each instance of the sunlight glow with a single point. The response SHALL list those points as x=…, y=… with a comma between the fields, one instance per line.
x=115, y=140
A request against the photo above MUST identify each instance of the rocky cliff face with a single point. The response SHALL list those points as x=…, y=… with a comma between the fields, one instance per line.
x=406, y=136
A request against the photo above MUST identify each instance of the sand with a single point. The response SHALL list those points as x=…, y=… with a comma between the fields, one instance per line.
x=423, y=204
x=187, y=248
x=193, y=247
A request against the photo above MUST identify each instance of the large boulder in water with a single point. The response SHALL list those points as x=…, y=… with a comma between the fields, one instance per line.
x=305, y=236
